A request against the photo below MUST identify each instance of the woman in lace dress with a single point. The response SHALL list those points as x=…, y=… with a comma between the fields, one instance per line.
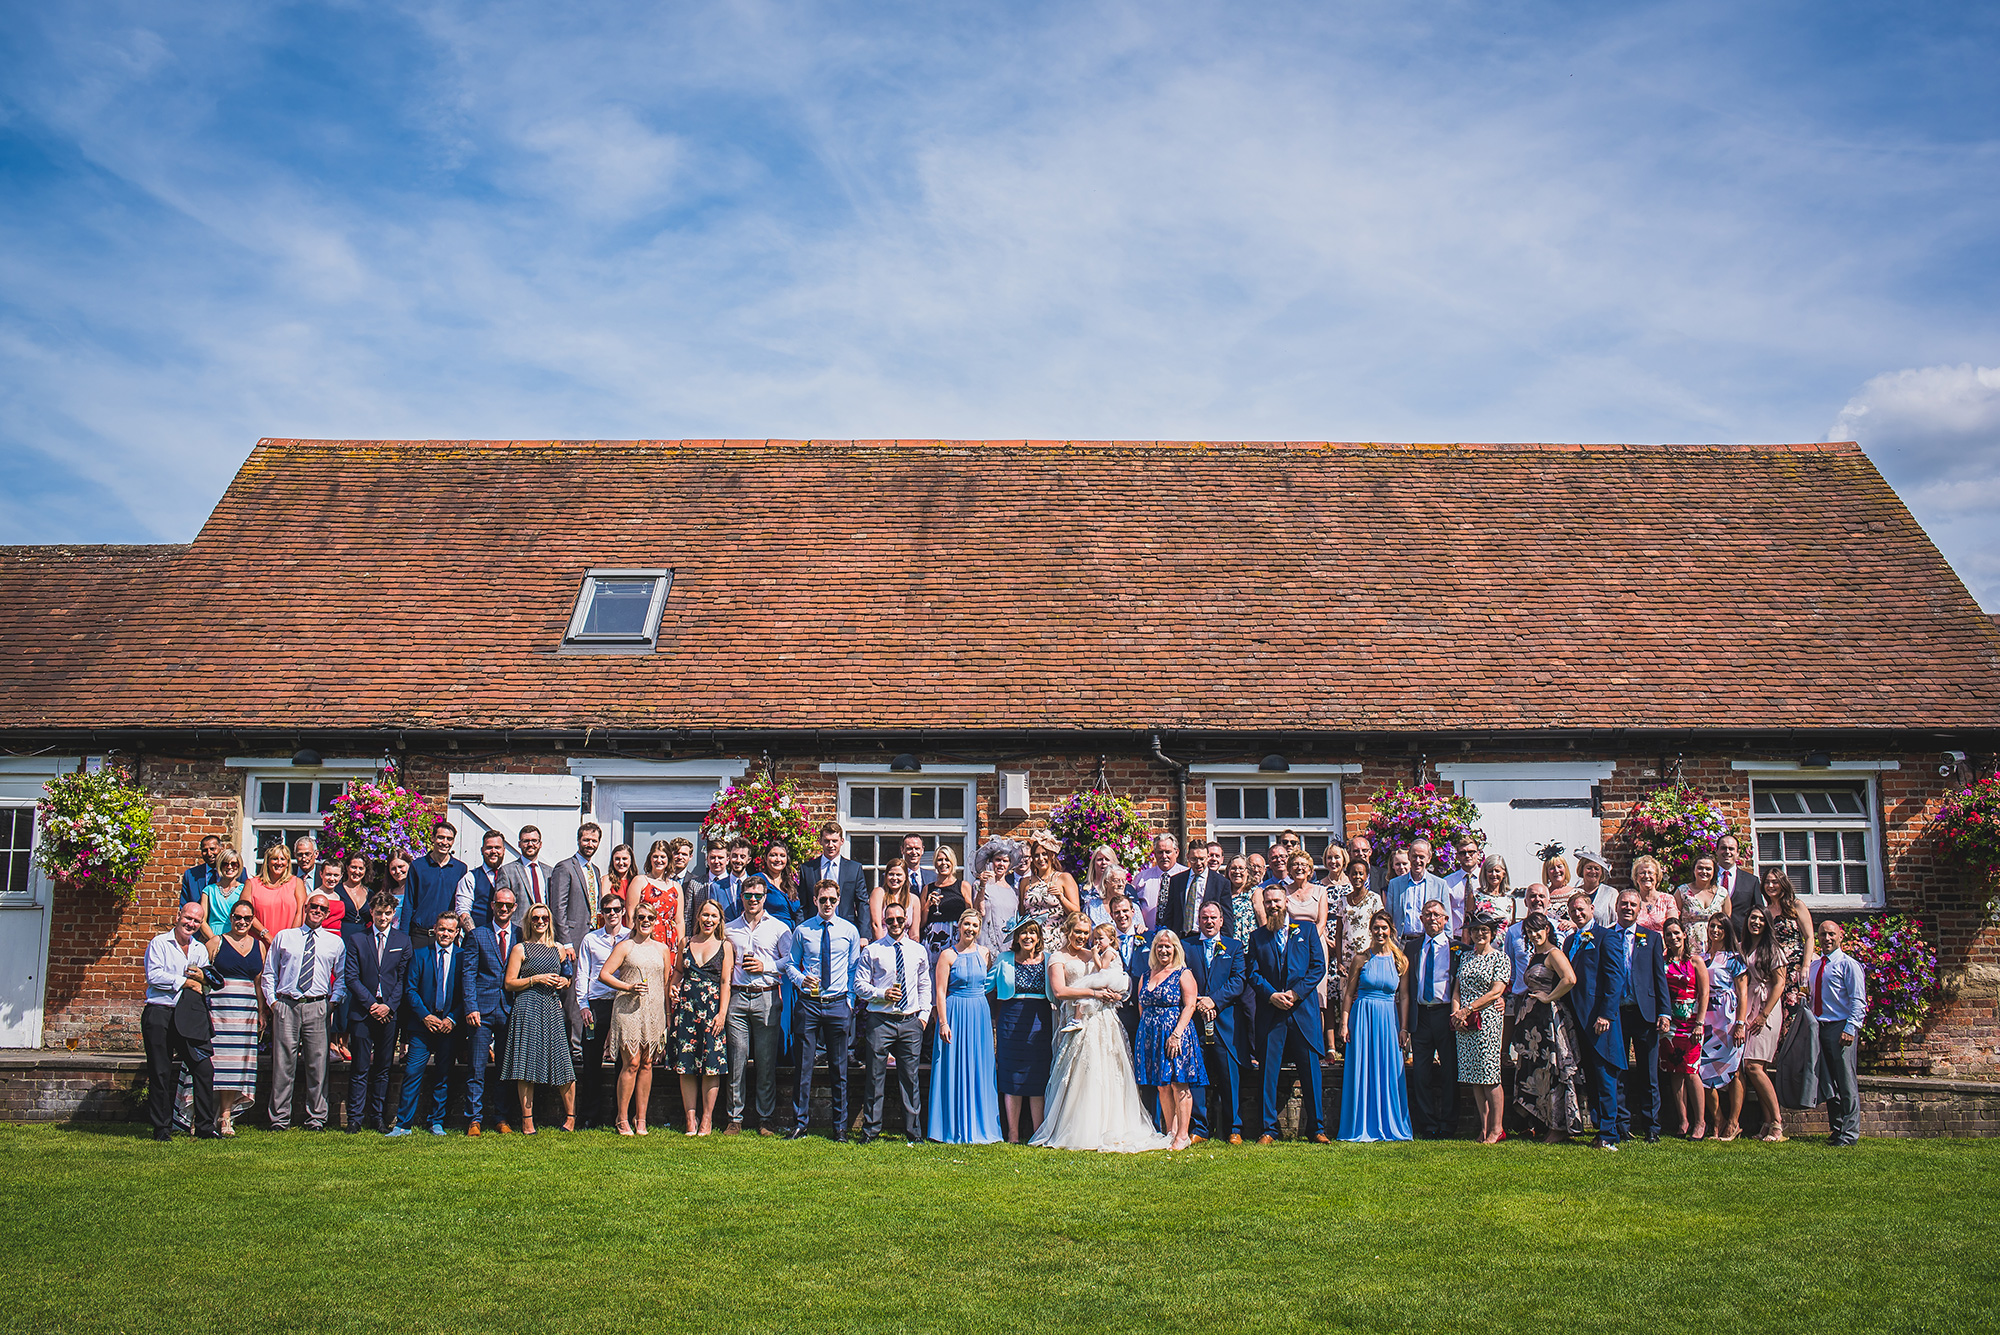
x=1093, y=1097
x=637, y=972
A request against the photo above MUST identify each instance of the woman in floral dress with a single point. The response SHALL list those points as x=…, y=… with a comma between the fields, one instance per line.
x=1548, y=1079
x=698, y=1050
x=1680, y=1050
x=1347, y=931
x=1483, y=975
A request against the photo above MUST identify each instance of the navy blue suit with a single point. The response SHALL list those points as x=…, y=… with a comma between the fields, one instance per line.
x=1628, y=1052
x=1136, y=953
x=426, y=993
x=373, y=1041
x=1296, y=967
x=485, y=1103
x=853, y=888
x=1222, y=981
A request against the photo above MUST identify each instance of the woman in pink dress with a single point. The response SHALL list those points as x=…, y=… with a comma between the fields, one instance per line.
x=277, y=897
x=1680, y=1050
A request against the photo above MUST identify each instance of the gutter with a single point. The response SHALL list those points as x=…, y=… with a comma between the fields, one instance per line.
x=1180, y=789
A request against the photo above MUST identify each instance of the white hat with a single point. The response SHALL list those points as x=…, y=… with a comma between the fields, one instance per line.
x=1584, y=855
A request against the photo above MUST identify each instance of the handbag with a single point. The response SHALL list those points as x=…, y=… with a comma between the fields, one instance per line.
x=1795, y=1072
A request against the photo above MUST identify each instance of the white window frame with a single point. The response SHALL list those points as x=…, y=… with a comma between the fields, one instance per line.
x=256, y=771
x=575, y=641
x=939, y=776
x=35, y=893
x=1298, y=776
x=1868, y=823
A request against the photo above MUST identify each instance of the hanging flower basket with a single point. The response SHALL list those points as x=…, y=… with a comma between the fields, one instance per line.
x=96, y=831
x=378, y=818
x=1675, y=824
x=1404, y=814
x=1092, y=818
x=765, y=811
x=1966, y=830
x=1902, y=975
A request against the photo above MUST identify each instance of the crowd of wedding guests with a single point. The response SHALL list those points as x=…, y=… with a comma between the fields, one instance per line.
x=1623, y=1011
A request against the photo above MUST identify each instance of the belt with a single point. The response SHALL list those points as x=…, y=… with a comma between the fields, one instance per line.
x=1431, y=1005
x=745, y=987
x=295, y=1000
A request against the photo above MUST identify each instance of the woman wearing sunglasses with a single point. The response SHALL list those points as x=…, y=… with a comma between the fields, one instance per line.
x=538, y=970
x=235, y=1007
x=637, y=973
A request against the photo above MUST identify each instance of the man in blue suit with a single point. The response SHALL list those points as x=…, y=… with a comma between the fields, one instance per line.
x=373, y=968
x=486, y=1031
x=1626, y=1000
x=437, y=1007
x=1287, y=963
x=1216, y=961
x=844, y=872
x=1581, y=949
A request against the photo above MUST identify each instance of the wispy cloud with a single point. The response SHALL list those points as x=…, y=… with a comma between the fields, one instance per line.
x=1671, y=223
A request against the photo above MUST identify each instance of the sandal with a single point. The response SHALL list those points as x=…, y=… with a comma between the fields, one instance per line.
x=527, y=1126
x=569, y=1124
x=624, y=1128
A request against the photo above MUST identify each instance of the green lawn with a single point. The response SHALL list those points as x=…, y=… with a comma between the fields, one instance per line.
x=104, y=1230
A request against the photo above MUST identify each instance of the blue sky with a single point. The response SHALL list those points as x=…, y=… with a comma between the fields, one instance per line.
x=1679, y=222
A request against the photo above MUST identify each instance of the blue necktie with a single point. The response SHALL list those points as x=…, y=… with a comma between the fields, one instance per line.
x=1430, y=954
x=825, y=956
x=444, y=954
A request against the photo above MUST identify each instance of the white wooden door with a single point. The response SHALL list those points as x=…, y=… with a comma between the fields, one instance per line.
x=24, y=919
x=506, y=802
x=1520, y=816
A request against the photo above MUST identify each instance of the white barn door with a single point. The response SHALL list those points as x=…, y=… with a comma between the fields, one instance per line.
x=506, y=802
x=1520, y=816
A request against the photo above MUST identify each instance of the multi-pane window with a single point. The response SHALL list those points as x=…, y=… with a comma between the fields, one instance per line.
x=284, y=809
x=1819, y=833
x=1245, y=818
x=17, y=843
x=879, y=816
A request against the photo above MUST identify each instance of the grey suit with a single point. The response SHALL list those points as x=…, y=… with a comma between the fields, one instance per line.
x=514, y=875
x=573, y=889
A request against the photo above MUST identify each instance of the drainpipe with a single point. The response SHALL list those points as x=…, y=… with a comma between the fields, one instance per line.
x=1180, y=789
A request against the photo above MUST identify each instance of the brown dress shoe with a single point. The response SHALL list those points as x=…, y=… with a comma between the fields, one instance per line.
x=1266, y=1140
x=503, y=1129
x=733, y=1129
x=765, y=1131
x=1321, y=1140
x=472, y=1130
x=1196, y=1140
x=1236, y=1140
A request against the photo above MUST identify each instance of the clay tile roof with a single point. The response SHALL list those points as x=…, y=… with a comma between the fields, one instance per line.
x=1014, y=584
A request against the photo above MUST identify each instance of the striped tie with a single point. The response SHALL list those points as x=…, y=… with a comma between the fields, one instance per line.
x=307, y=962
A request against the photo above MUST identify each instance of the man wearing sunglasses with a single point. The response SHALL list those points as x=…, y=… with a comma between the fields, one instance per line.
x=894, y=979
x=821, y=964
x=299, y=970
x=760, y=944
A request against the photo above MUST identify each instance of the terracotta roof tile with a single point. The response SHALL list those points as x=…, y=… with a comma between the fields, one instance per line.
x=1044, y=584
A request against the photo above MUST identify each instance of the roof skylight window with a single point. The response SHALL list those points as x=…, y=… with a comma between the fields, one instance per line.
x=618, y=611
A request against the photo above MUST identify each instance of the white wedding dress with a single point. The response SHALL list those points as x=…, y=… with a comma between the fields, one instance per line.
x=1093, y=1097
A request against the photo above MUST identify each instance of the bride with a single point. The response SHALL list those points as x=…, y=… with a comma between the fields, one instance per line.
x=1093, y=1100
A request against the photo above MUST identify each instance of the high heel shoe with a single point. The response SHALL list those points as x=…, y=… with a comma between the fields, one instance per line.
x=527, y=1126
x=624, y=1128
x=569, y=1124
x=641, y=1130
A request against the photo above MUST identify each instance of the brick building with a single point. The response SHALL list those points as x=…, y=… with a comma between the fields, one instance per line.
x=1240, y=637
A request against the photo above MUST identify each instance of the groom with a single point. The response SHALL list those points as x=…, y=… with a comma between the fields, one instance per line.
x=1287, y=963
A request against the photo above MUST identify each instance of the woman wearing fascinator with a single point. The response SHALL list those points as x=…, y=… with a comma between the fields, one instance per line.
x=994, y=894
x=1021, y=1025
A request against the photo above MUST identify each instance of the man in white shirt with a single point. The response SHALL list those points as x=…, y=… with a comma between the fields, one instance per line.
x=1536, y=900
x=598, y=996
x=913, y=862
x=299, y=969
x=1409, y=892
x=824, y=951
x=174, y=961
x=527, y=876
x=893, y=981
x=761, y=944
x=1150, y=882
x=1462, y=883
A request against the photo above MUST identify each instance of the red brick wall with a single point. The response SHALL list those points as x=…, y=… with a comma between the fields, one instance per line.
x=95, y=946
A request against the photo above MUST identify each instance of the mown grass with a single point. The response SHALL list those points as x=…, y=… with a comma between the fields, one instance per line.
x=104, y=1230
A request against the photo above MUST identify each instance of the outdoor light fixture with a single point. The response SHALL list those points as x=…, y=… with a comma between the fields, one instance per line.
x=904, y=764
x=1816, y=760
x=1274, y=763
x=305, y=756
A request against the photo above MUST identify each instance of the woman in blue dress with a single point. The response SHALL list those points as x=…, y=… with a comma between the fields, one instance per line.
x=1021, y=1028
x=1374, y=1028
x=1165, y=1052
x=965, y=1100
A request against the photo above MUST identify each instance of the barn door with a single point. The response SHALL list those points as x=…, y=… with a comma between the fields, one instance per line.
x=1520, y=816
x=506, y=802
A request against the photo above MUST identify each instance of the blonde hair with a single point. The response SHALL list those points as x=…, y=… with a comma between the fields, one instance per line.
x=227, y=852
x=1648, y=860
x=721, y=932
x=278, y=850
x=528, y=927
x=1173, y=941
x=973, y=916
x=1071, y=923
x=1104, y=927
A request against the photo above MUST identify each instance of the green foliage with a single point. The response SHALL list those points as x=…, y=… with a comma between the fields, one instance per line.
x=96, y=831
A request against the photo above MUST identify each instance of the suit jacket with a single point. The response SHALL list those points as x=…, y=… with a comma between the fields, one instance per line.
x=489, y=973
x=570, y=901
x=1221, y=981
x=514, y=875
x=420, y=984
x=1743, y=896
x=361, y=974
x=1296, y=968
x=191, y=1018
x=853, y=888
x=1202, y=887
x=1600, y=982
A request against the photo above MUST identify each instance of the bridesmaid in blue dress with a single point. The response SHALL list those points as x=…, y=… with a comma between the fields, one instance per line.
x=965, y=1098
x=1374, y=1102
x=1165, y=1051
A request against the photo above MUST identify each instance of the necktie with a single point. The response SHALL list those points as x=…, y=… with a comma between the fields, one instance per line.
x=444, y=975
x=535, y=881
x=1214, y=949
x=1819, y=975
x=1430, y=954
x=381, y=947
x=501, y=937
x=307, y=963
x=1193, y=903
x=903, y=997
x=826, y=956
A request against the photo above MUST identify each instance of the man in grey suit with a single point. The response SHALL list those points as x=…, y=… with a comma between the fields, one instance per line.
x=527, y=877
x=574, y=887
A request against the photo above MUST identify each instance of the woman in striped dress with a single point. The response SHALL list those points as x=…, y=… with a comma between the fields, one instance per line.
x=234, y=1008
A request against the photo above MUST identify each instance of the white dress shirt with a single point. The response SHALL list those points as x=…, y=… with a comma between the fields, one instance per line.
x=770, y=941
x=167, y=965
x=595, y=949
x=875, y=974
x=282, y=976
x=1437, y=988
x=1147, y=886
